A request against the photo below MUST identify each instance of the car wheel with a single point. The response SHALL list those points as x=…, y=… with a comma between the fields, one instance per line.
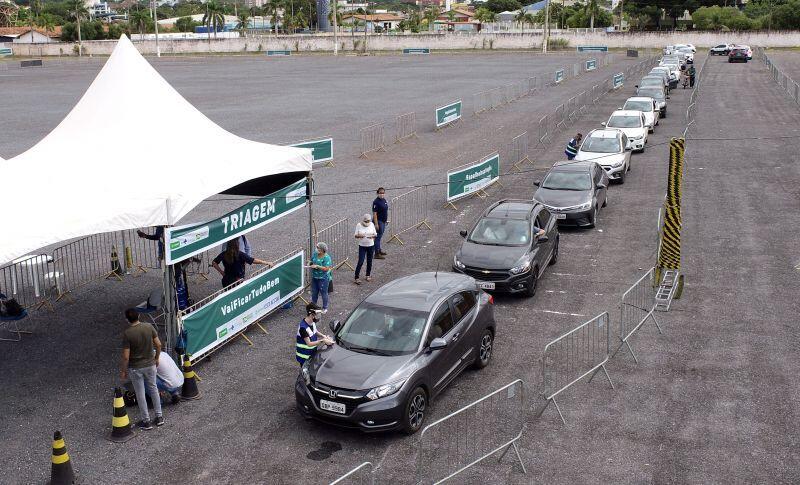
x=593, y=222
x=533, y=283
x=620, y=181
x=484, y=349
x=554, y=256
x=415, y=409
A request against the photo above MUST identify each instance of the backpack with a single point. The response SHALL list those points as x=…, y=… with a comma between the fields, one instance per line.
x=13, y=309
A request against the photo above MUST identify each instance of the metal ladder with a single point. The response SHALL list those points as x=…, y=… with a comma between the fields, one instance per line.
x=669, y=283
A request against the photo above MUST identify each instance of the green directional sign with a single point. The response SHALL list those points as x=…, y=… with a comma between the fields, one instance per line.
x=559, y=76
x=321, y=150
x=464, y=181
x=448, y=113
x=591, y=64
x=279, y=53
x=618, y=80
x=186, y=241
x=6, y=51
x=417, y=50
x=592, y=48
x=228, y=313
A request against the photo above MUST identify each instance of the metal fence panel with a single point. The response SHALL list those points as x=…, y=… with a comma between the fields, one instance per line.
x=339, y=238
x=408, y=211
x=475, y=432
x=544, y=125
x=363, y=474
x=85, y=260
x=635, y=307
x=405, y=126
x=519, y=150
x=481, y=102
x=372, y=138
x=31, y=280
x=139, y=254
x=578, y=353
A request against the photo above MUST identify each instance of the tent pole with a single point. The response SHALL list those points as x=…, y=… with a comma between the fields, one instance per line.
x=170, y=316
x=309, y=194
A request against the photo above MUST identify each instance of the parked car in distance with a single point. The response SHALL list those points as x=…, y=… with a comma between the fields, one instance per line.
x=673, y=78
x=574, y=192
x=688, y=53
x=633, y=124
x=501, y=250
x=653, y=80
x=692, y=47
x=658, y=95
x=664, y=75
x=737, y=54
x=397, y=351
x=647, y=106
x=608, y=148
x=720, y=50
x=748, y=49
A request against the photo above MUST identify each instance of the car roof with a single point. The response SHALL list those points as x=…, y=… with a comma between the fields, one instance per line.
x=511, y=209
x=572, y=166
x=640, y=98
x=606, y=133
x=421, y=291
x=626, y=112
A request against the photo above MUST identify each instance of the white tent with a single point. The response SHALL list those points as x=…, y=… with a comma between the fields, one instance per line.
x=132, y=153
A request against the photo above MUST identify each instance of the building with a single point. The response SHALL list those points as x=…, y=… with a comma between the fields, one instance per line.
x=382, y=22
x=345, y=6
x=24, y=35
x=457, y=20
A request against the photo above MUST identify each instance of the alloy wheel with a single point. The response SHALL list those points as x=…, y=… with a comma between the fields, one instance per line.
x=486, y=347
x=416, y=411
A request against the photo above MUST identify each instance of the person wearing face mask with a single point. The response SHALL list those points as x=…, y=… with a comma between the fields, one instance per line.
x=308, y=338
x=365, y=234
x=380, y=217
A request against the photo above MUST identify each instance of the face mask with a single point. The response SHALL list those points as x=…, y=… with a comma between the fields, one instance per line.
x=315, y=319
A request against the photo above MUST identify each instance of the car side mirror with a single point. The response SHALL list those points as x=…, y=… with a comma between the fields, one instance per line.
x=334, y=325
x=463, y=232
x=542, y=239
x=437, y=344
x=628, y=149
x=666, y=97
x=636, y=86
x=603, y=123
x=537, y=182
x=600, y=186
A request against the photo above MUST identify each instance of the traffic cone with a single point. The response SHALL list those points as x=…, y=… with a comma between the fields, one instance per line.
x=61, y=470
x=121, y=430
x=189, y=390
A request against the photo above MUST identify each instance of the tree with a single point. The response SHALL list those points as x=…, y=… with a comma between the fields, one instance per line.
x=243, y=24
x=519, y=18
x=430, y=16
x=484, y=16
x=115, y=31
x=140, y=19
x=271, y=8
x=185, y=24
x=214, y=18
x=34, y=10
x=77, y=11
x=338, y=18
x=592, y=10
x=498, y=6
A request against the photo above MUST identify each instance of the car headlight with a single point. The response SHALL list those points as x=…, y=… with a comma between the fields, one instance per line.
x=637, y=137
x=306, y=375
x=385, y=390
x=615, y=165
x=522, y=268
x=458, y=264
x=585, y=206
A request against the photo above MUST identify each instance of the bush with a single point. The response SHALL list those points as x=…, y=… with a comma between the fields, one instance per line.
x=186, y=24
x=559, y=43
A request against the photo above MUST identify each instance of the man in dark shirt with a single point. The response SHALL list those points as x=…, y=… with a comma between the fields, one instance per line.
x=140, y=350
x=157, y=236
x=380, y=216
x=233, y=260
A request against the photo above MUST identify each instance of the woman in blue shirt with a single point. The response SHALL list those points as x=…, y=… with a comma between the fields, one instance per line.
x=321, y=265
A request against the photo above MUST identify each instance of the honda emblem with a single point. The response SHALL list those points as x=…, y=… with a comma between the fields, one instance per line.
x=333, y=393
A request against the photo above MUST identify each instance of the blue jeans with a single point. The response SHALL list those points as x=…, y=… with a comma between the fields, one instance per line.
x=161, y=384
x=364, y=252
x=380, y=229
x=319, y=286
x=140, y=378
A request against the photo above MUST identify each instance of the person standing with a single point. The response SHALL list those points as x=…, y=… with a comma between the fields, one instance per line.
x=366, y=235
x=380, y=217
x=692, y=74
x=321, y=266
x=233, y=260
x=308, y=338
x=158, y=235
x=141, y=349
x=572, y=147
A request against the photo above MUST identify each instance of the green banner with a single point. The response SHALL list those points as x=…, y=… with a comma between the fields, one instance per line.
x=186, y=241
x=321, y=150
x=6, y=51
x=417, y=50
x=618, y=80
x=559, y=76
x=591, y=64
x=223, y=317
x=279, y=53
x=592, y=48
x=448, y=113
x=464, y=181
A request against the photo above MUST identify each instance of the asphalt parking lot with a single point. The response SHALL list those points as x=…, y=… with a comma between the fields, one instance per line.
x=714, y=399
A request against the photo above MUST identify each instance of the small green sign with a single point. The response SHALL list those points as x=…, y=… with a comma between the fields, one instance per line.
x=618, y=80
x=465, y=181
x=592, y=48
x=591, y=64
x=186, y=241
x=279, y=53
x=418, y=50
x=6, y=51
x=228, y=313
x=321, y=150
x=559, y=76
x=448, y=113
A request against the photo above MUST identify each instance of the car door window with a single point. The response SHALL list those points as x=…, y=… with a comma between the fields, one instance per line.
x=441, y=324
x=462, y=303
x=542, y=218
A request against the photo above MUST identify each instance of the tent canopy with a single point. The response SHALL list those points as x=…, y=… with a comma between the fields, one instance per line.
x=132, y=153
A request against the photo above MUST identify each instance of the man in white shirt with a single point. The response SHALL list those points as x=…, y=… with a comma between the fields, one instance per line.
x=169, y=379
x=365, y=234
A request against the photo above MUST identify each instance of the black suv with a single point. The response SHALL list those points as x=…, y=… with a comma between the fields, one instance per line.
x=502, y=251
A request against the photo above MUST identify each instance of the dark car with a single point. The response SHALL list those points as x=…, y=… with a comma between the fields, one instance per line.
x=658, y=95
x=738, y=54
x=501, y=250
x=574, y=192
x=396, y=351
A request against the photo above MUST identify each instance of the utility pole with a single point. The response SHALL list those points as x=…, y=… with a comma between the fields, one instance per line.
x=366, y=14
x=545, y=37
x=155, y=13
x=335, y=27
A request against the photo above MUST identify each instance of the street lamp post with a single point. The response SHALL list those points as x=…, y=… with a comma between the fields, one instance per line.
x=155, y=16
x=335, y=27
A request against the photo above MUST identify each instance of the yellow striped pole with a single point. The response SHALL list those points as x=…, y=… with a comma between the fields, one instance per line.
x=669, y=251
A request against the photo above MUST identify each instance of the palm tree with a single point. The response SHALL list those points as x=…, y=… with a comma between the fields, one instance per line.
x=214, y=17
x=592, y=9
x=271, y=9
x=34, y=10
x=244, y=21
x=338, y=16
x=47, y=22
x=431, y=14
x=77, y=11
x=139, y=18
x=520, y=19
x=529, y=19
x=484, y=15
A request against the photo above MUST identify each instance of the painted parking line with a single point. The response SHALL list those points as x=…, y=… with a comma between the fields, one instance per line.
x=561, y=313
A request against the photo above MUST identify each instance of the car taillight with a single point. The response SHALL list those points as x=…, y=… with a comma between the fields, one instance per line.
x=491, y=300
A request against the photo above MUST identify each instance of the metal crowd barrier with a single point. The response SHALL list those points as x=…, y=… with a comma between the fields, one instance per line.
x=481, y=102
x=339, y=238
x=578, y=353
x=458, y=441
x=406, y=126
x=560, y=116
x=372, y=139
x=636, y=307
x=363, y=474
x=544, y=124
x=576, y=70
x=519, y=151
x=85, y=260
x=31, y=280
x=408, y=211
x=139, y=254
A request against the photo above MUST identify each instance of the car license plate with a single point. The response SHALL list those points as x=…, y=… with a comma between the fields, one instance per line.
x=561, y=216
x=335, y=407
x=486, y=286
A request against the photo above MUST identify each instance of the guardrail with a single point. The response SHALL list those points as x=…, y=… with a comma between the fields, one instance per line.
x=339, y=238
x=408, y=211
x=519, y=151
x=85, y=260
x=373, y=139
x=405, y=126
x=636, y=306
x=363, y=474
x=31, y=280
x=578, y=353
x=460, y=440
x=788, y=84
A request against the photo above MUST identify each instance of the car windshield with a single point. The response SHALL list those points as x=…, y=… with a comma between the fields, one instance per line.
x=636, y=105
x=497, y=231
x=567, y=181
x=382, y=330
x=624, y=122
x=651, y=93
x=652, y=81
x=598, y=144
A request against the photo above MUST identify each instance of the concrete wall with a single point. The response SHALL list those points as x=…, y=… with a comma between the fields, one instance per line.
x=501, y=41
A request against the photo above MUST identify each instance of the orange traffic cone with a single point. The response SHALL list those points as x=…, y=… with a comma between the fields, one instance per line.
x=121, y=430
x=61, y=470
x=189, y=390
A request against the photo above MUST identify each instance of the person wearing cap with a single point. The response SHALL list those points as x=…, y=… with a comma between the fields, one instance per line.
x=380, y=217
x=308, y=338
x=365, y=234
x=321, y=266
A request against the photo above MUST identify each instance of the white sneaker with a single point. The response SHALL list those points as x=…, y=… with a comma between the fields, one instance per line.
x=324, y=310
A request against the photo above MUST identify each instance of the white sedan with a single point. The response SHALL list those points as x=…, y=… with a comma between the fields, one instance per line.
x=633, y=124
x=608, y=148
x=647, y=106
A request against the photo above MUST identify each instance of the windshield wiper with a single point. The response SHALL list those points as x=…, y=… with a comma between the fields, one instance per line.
x=561, y=188
x=366, y=350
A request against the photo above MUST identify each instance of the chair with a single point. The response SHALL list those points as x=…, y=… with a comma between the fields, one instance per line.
x=151, y=308
x=13, y=321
